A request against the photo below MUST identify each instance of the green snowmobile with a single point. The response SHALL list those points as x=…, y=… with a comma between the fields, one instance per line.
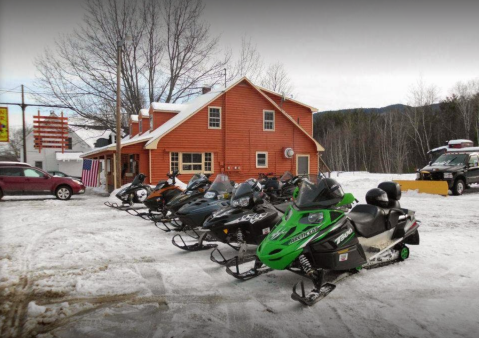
x=318, y=239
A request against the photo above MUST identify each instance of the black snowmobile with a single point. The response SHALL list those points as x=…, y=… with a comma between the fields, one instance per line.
x=136, y=192
x=193, y=214
x=156, y=201
x=196, y=188
x=279, y=190
x=248, y=219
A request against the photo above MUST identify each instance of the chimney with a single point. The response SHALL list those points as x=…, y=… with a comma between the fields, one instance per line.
x=205, y=90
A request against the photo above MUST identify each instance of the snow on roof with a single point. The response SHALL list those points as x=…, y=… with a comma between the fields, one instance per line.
x=68, y=156
x=169, y=107
x=458, y=141
x=90, y=136
x=144, y=113
x=98, y=150
x=134, y=118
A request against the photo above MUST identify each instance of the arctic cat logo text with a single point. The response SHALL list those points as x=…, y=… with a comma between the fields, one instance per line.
x=343, y=236
x=303, y=235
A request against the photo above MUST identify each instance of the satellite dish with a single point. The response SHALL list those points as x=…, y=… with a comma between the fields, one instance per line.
x=288, y=152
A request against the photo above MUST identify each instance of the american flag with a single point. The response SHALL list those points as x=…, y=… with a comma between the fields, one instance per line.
x=89, y=174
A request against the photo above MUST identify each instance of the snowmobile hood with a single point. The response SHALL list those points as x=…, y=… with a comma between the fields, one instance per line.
x=202, y=205
x=297, y=229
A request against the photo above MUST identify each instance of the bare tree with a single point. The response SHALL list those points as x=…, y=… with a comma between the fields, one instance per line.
x=171, y=55
x=420, y=116
x=276, y=79
x=249, y=62
x=14, y=147
x=464, y=93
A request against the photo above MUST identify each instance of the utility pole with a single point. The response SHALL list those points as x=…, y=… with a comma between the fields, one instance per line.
x=23, y=118
x=119, y=45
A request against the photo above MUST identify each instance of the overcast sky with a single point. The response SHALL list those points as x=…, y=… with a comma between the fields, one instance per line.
x=339, y=54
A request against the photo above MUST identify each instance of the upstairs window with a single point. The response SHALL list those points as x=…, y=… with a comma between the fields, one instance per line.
x=214, y=118
x=69, y=144
x=268, y=120
x=151, y=122
x=140, y=126
x=261, y=159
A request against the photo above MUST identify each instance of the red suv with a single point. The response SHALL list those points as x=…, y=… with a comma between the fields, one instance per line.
x=25, y=180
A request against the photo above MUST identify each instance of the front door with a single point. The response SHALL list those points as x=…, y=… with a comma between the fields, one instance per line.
x=36, y=182
x=12, y=180
x=473, y=169
x=302, y=164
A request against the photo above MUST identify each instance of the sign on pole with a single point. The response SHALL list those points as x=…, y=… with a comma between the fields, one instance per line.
x=50, y=132
x=4, y=124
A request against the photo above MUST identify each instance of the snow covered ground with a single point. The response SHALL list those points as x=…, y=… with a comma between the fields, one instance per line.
x=80, y=269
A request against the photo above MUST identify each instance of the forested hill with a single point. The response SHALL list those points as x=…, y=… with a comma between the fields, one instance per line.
x=394, y=107
x=395, y=138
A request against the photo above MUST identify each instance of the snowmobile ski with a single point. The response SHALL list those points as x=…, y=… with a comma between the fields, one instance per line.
x=198, y=246
x=314, y=295
x=258, y=269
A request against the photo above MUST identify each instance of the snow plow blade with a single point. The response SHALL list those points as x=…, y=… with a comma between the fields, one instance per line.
x=426, y=187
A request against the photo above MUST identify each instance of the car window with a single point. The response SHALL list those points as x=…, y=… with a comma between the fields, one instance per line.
x=11, y=172
x=473, y=161
x=32, y=173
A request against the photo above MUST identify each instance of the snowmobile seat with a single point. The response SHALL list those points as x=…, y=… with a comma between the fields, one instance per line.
x=393, y=190
x=369, y=220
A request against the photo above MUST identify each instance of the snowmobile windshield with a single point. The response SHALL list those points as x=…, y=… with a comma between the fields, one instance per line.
x=138, y=180
x=244, y=189
x=221, y=185
x=318, y=192
x=287, y=176
x=193, y=180
x=450, y=159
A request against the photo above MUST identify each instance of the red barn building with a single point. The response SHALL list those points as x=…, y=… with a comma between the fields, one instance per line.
x=242, y=130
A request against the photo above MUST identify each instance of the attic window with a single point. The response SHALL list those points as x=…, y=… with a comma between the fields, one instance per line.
x=268, y=120
x=140, y=126
x=151, y=122
x=214, y=117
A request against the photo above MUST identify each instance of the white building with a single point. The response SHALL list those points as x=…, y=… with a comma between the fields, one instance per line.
x=80, y=140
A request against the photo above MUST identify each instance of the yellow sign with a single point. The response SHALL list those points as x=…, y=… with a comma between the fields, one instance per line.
x=4, y=124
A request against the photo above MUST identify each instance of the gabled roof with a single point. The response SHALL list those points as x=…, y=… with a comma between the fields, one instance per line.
x=313, y=109
x=188, y=110
x=202, y=101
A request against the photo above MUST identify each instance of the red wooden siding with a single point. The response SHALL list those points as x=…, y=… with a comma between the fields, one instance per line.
x=298, y=112
x=160, y=117
x=133, y=128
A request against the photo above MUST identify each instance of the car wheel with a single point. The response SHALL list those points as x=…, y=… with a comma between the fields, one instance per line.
x=63, y=193
x=458, y=187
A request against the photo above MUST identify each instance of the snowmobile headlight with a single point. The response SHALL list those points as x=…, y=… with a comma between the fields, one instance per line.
x=244, y=201
x=316, y=217
x=189, y=192
x=447, y=175
x=210, y=194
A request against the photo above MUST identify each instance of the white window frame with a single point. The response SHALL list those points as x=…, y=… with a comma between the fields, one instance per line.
x=180, y=162
x=264, y=119
x=263, y=153
x=209, y=117
x=297, y=163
